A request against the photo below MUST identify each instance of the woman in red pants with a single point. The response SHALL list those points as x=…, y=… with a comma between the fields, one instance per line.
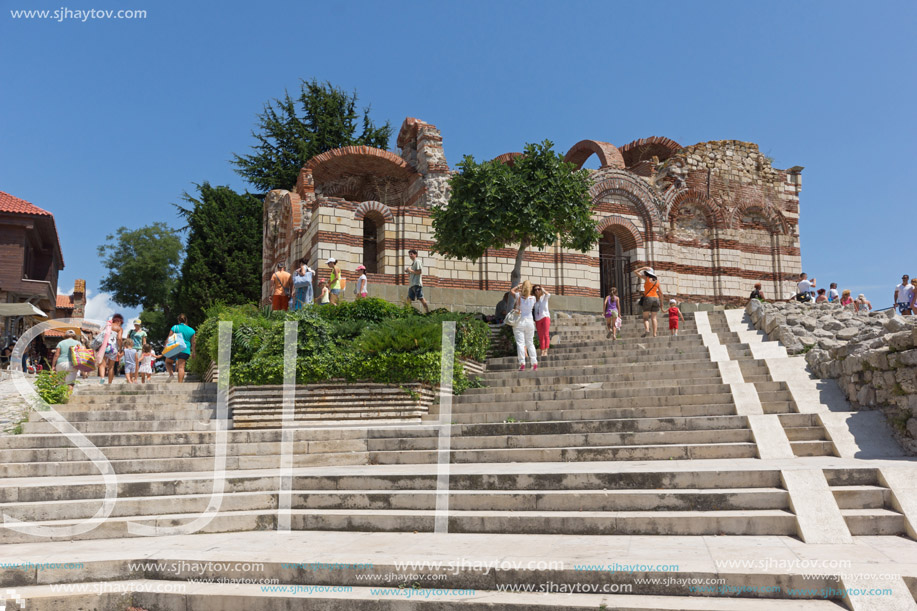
x=542, y=318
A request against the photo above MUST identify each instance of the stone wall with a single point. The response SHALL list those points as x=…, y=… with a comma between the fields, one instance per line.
x=712, y=218
x=873, y=357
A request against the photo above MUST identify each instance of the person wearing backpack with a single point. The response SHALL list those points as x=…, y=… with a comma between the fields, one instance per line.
x=187, y=334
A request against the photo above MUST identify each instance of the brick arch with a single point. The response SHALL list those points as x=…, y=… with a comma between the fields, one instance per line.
x=608, y=154
x=634, y=190
x=778, y=223
x=712, y=212
x=507, y=158
x=369, y=207
x=646, y=148
x=623, y=229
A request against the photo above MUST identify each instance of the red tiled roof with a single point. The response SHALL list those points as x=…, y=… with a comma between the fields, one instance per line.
x=65, y=302
x=11, y=203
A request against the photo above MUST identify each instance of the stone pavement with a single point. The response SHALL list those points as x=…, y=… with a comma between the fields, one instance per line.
x=707, y=471
x=13, y=408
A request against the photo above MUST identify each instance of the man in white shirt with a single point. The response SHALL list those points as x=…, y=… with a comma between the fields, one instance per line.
x=804, y=288
x=904, y=295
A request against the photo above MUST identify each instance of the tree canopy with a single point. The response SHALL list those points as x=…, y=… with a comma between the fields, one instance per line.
x=537, y=201
x=223, y=251
x=142, y=265
x=292, y=131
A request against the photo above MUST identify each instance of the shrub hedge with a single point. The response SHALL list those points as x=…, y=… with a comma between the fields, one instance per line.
x=368, y=340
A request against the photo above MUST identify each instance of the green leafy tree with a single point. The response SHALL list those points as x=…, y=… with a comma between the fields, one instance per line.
x=293, y=130
x=142, y=265
x=537, y=201
x=223, y=252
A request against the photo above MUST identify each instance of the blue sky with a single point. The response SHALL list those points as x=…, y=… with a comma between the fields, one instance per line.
x=105, y=123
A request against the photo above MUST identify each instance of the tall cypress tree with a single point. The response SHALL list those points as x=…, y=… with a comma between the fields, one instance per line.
x=292, y=131
x=223, y=253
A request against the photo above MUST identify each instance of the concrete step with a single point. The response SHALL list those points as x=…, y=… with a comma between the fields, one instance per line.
x=636, y=402
x=122, y=426
x=421, y=500
x=736, y=522
x=861, y=497
x=574, y=454
x=134, y=414
x=462, y=442
x=39, y=489
x=132, y=452
x=813, y=448
x=874, y=522
x=162, y=594
x=647, y=369
x=541, y=415
x=168, y=465
x=664, y=387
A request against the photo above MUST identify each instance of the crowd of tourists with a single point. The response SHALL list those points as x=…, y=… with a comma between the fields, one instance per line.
x=525, y=308
x=294, y=291
x=115, y=348
x=904, y=298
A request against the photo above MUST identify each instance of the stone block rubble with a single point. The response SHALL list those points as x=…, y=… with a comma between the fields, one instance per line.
x=873, y=357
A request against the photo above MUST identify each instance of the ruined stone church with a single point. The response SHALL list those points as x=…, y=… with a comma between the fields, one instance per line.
x=712, y=219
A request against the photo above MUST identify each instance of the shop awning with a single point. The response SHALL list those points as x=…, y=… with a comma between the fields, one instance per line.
x=20, y=309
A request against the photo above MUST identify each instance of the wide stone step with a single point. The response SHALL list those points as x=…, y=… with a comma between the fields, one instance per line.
x=461, y=442
x=134, y=414
x=159, y=594
x=574, y=454
x=744, y=522
x=129, y=407
x=39, y=490
x=678, y=377
x=665, y=387
x=147, y=438
x=735, y=522
x=526, y=415
x=861, y=497
x=712, y=423
x=421, y=500
x=180, y=451
x=647, y=369
x=123, y=426
x=94, y=388
x=166, y=465
x=874, y=522
x=651, y=400
x=574, y=360
x=548, y=379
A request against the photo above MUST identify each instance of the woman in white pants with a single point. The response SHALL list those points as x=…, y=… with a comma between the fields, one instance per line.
x=524, y=331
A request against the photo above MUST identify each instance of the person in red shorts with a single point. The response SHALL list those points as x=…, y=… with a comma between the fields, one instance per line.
x=674, y=315
x=281, y=283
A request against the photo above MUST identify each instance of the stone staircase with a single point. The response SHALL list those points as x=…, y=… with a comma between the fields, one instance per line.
x=697, y=450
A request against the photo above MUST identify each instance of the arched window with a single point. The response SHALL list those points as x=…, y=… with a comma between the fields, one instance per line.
x=370, y=245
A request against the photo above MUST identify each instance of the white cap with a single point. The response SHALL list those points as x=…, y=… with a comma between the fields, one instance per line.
x=672, y=301
x=332, y=260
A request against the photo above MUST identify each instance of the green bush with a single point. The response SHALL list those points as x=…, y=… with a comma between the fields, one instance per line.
x=51, y=387
x=369, y=339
